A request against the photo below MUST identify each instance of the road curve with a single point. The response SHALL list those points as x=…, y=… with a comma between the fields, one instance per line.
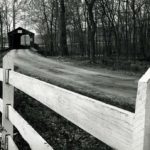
x=97, y=84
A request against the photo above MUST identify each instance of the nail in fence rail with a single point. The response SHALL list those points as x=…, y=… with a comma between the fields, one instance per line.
x=27, y=132
x=10, y=117
x=8, y=98
x=116, y=127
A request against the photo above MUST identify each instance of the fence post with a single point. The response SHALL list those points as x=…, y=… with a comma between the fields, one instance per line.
x=141, y=126
x=8, y=98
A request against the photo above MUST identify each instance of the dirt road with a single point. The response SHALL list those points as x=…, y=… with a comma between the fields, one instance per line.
x=106, y=86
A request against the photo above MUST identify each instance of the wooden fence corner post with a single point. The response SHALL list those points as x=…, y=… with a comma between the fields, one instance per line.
x=8, y=98
x=141, y=126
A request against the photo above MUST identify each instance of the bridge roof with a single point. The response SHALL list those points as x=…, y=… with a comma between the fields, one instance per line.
x=20, y=31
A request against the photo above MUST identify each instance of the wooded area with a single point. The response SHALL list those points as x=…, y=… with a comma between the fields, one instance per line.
x=95, y=29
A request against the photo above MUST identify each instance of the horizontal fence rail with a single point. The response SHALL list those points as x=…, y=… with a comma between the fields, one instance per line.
x=116, y=127
x=106, y=122
x=11, y=144
x=27, y=132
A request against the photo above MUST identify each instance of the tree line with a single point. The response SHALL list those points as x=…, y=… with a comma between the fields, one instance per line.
x=95, y=29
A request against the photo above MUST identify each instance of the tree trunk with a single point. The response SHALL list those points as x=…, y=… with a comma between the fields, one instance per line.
x=63, y=38
x=134, y=29
x=92, y=28
x=81, y=35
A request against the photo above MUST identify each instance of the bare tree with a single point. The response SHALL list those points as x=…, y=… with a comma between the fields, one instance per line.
x=91, y=27
x=62, y=29
x=115, y=28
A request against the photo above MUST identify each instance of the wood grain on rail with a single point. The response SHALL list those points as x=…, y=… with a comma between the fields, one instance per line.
x=11, y=144
x=1, y=74
x=1, y=105
x=35, y=141
x=141, y=124
x=108, y=123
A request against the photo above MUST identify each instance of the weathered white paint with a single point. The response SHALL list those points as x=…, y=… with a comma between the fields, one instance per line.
x=108, y=123
x=116, y=127
x=28, y=133
x=35, y=141
x=141, y=130
x=1, y=109
x=11, y=144
x=1, y=105
x=8, y=98
x=1, y=74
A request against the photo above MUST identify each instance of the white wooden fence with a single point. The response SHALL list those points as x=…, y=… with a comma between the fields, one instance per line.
x=116, y=127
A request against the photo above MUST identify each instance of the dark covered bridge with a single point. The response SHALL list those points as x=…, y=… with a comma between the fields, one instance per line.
x=15, y=36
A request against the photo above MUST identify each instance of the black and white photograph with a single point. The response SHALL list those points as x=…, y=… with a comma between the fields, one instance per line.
x=75, y=74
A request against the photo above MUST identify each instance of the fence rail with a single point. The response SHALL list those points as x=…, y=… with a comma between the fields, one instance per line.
x=1, y=74
x=11, y=144
x=116, y=127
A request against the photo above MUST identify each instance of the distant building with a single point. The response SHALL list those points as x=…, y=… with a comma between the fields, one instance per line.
x=20, y=38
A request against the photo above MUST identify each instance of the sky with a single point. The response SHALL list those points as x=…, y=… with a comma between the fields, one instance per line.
x=19, y=23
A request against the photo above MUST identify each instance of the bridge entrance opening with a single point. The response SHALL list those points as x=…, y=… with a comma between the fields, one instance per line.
x=20, y=38
x=25, y=40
